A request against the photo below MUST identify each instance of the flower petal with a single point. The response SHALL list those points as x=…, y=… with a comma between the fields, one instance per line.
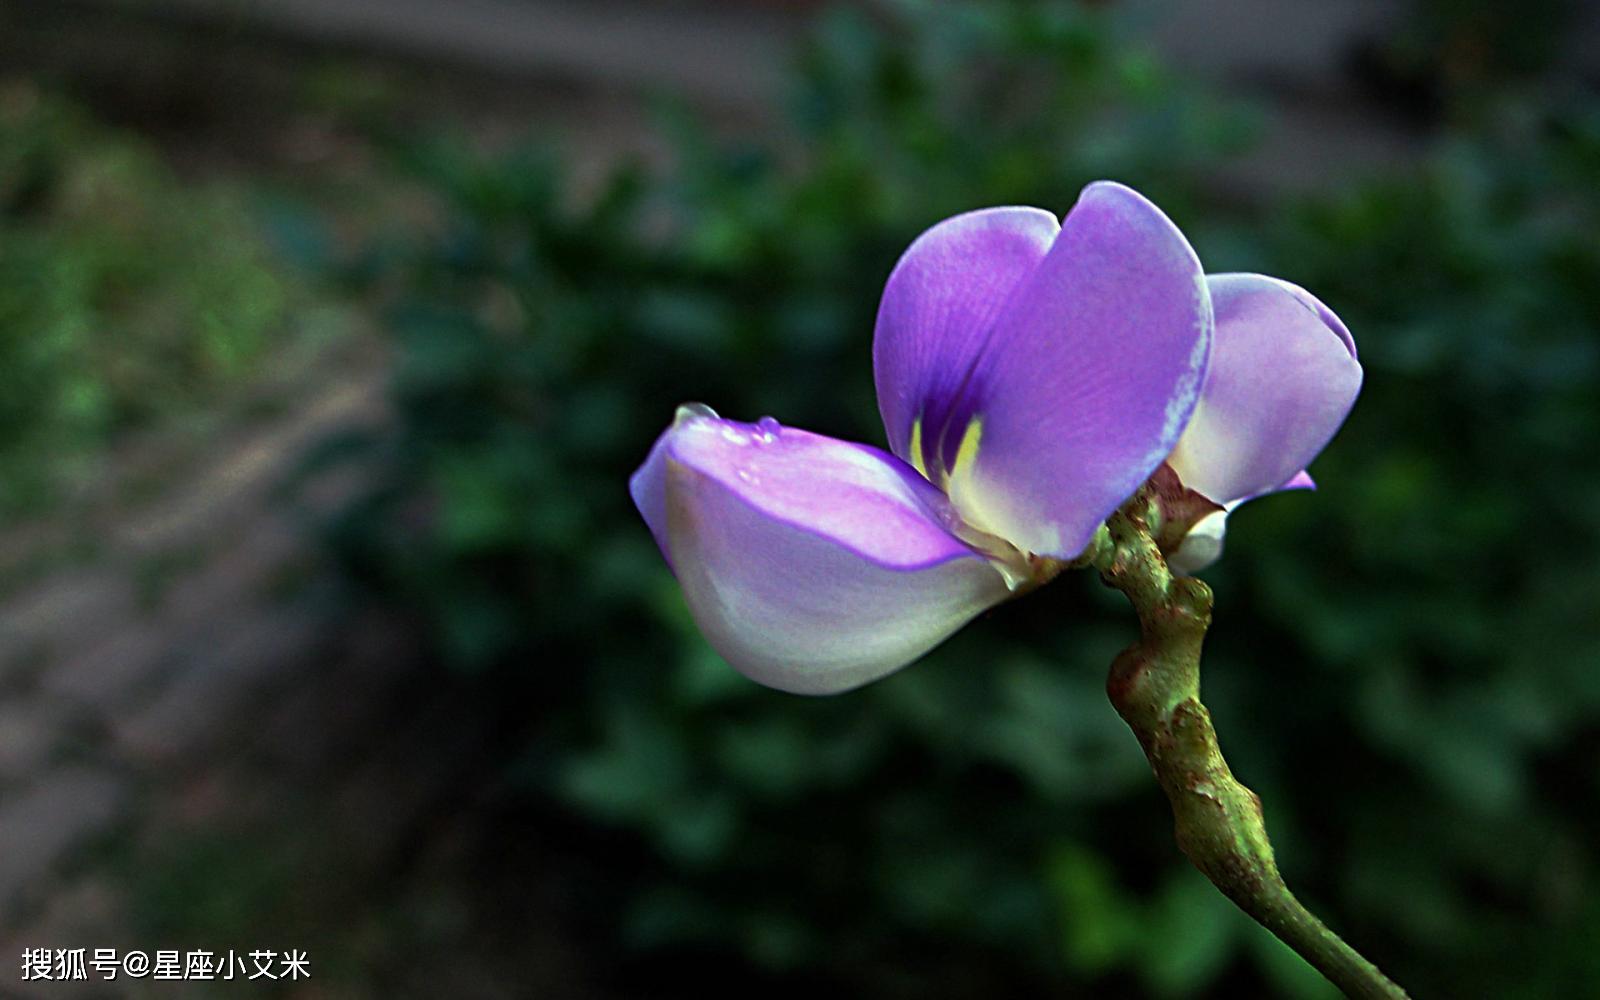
x=812, y=565
x=938, y=307
x=1087, y=378
x=1283, y=377
x=1299, y=481
x=1202, y=546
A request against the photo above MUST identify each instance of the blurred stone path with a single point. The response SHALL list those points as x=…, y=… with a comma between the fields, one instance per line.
x=1291, y=58
x=1295, y=60
x=127, y=633
x=509, y=63
x=180, y=665
x=718, y=52
x=207, y=741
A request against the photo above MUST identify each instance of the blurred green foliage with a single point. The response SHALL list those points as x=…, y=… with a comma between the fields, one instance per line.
x=1405, y=664
x=125, y=293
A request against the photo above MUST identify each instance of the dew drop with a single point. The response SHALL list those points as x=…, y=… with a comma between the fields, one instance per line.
x=767, y=428
x=693, y=411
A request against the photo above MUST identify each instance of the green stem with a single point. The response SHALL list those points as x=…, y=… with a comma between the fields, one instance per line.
x=1155, y=686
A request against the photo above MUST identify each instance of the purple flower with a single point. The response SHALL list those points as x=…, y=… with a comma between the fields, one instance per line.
x=1031, y=374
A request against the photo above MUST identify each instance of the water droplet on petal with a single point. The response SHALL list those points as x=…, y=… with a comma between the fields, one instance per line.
x=768, y=429
x=693, y=411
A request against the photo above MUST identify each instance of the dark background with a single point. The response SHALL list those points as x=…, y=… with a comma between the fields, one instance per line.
x=330, y=332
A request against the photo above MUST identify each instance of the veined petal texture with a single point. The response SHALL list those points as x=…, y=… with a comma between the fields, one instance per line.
x=1086, y=380
x=937, y=310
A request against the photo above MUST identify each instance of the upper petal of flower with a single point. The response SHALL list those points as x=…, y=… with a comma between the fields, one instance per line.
x=812, y=565
x=938, y=307
x=1086, y=380
x=1283, y=377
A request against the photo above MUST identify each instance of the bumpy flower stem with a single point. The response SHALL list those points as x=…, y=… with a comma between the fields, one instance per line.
x=1155, y=686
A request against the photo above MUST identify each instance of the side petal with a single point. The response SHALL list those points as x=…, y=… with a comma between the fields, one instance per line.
x=1283, y=377
x=1087, y=379
x=1299, y=481
x=938, y=306
x=812, y=565
x=1202, y=546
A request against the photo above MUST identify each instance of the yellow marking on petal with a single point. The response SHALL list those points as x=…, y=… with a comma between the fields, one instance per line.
x=916, y=448
x=968, y=452
x=962, y=484
x=987, y=507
